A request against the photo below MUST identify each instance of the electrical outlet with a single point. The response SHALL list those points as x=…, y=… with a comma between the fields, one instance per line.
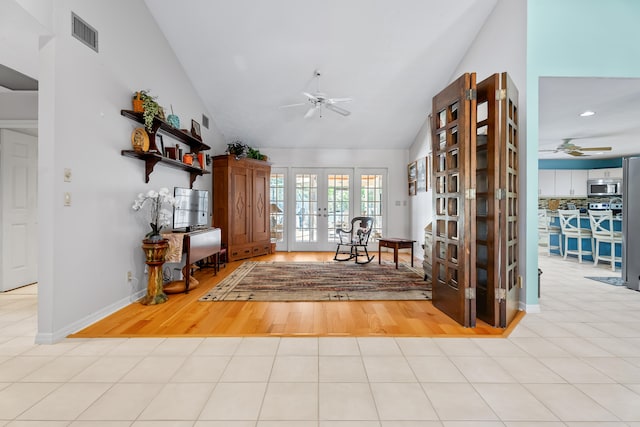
x=129, y=276
x=146, y=269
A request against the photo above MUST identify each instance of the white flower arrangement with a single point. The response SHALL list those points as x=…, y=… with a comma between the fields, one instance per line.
x=159, y=216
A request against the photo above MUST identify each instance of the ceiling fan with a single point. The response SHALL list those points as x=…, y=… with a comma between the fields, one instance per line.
x=574, y=150
x=317, y=100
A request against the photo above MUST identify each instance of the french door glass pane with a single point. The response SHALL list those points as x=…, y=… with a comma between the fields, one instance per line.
x=337, y=203
x=277, y=216
x=306, y=208
x=371, y=191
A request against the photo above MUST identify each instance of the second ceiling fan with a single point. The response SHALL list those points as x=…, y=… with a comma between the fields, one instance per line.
x=571, y=149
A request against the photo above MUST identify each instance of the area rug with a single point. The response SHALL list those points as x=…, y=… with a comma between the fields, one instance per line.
x=615, y=281
x=321, y=281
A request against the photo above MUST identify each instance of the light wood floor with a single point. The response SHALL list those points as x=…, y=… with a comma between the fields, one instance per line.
x=183, y=315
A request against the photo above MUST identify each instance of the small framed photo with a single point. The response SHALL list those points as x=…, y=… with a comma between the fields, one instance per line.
x=412, y=171
x=195, y=130
x=412, y=188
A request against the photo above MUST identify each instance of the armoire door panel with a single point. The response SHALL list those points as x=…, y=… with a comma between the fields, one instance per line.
x=259, y=207
x=240, y=221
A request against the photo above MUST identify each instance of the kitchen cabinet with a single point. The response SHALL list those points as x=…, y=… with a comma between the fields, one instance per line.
x=605, y=173
x=241, y=205
x=546, y=182
x=562, y=182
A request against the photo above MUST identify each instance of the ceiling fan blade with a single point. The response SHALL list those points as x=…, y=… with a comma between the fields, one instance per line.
x=595, y=149
x=335, y=100
x=338, y=109
x=576, y=153
x=293, y=105
x=311, y=112
x=548, y=151
x=311, y=97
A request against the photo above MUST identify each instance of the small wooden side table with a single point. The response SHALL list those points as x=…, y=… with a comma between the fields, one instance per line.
x=396, y=244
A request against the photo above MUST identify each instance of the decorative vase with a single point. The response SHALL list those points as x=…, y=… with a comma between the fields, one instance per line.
x=137, y=104
x=173, y=120
x=155, y=250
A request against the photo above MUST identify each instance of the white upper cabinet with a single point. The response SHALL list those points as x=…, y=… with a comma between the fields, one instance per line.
x=546, y=182
x=605, y=173
x=562, y=182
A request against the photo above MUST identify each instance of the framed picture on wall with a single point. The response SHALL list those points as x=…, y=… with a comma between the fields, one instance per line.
x=421, y=170
x=427, y=171
x=412, y=188
x=412, y=171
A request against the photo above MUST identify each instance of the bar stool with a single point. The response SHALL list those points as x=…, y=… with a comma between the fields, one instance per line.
x=571, y=231
x=603, y=234
x=545, y=230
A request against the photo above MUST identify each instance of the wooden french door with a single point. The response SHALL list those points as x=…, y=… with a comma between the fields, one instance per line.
x=510, y=143
x=497, y=288
x=454, y=164
x=475, y=164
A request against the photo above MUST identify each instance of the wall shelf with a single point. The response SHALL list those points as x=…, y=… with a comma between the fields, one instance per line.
x=151, y=159
x=154, y=156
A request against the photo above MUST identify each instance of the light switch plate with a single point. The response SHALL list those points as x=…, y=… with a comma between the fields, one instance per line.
x=67, y=199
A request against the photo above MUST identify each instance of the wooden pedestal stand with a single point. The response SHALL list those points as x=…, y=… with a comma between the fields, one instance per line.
x=154, y=252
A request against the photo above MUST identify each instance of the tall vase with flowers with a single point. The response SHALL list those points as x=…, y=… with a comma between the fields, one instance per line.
x=159, y=215
x=154, y=246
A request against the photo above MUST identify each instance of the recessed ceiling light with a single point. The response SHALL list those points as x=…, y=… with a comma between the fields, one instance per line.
x=587, y=113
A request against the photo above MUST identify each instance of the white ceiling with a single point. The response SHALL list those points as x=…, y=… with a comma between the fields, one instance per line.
x=616, y=102
x=248, y=58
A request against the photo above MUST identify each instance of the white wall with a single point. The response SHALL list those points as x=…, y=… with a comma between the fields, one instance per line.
x=19, y=106
x=500, y=46
x=393, y=160
x=422, y=203
x=87, y=249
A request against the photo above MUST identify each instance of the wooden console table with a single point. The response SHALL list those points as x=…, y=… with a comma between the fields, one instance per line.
x=197, y=245
x=396, y=244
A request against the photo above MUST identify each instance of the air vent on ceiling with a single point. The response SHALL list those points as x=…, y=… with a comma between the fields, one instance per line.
x=205, y=121
x=84, y=32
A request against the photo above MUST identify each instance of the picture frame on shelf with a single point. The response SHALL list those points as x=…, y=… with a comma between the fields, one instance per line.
x=195, y=130
x=421, y=174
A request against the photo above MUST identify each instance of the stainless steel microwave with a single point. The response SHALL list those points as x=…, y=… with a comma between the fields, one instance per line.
x=604, y=187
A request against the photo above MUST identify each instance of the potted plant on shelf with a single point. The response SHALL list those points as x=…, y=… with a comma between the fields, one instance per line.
x=150, y=107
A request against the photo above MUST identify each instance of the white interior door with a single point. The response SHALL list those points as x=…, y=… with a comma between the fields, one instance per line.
x=322, y=201
x=18, y=188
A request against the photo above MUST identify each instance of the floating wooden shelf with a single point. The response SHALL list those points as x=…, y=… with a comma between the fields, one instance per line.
x=154, y=156
x=164, y=127
x=150, y=160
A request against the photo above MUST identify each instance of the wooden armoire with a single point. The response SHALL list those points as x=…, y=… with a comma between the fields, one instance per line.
x=241, y=205
x=475, y=171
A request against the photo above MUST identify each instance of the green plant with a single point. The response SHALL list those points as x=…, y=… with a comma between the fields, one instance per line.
x=252, y=153
x=151, y=108
x=237, y=148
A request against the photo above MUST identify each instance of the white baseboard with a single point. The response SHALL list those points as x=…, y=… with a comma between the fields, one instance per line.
x=531, y=308
x=60, y=334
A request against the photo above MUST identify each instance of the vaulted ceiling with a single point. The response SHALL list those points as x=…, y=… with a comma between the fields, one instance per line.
x=249, y=58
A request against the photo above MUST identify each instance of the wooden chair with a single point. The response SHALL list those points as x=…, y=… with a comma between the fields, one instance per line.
x=546, y=230
x=353, y=241
x=570, y=225
x=604, y=234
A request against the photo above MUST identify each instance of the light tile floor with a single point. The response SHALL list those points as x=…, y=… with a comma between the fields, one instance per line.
x=577, y=363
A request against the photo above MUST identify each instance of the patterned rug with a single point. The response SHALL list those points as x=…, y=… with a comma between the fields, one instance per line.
x=321, y=281
x=615, y=281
